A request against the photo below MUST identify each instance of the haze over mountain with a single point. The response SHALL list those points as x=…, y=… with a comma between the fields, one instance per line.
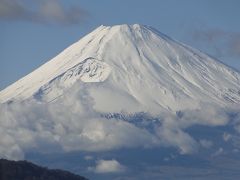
x=120, y=88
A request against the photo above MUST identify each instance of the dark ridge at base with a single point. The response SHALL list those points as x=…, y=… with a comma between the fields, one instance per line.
x=23, y=170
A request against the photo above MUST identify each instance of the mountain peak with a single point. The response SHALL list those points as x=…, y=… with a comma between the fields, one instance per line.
x=124, y=26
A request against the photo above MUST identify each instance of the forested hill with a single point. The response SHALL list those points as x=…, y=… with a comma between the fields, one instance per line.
x=23, y=170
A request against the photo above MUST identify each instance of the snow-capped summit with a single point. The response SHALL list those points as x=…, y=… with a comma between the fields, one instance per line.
x=131, y=68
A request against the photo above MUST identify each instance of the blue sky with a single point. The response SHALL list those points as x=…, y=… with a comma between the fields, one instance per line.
x=26, y=43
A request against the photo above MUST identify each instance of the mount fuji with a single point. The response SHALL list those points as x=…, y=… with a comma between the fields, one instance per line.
x=126, y=101
x=130, y=68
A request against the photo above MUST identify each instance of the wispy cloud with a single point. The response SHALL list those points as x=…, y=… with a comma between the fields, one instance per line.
x=44, y=12
x=224, y=43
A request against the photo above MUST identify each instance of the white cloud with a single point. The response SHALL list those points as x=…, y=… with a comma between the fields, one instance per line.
x=226, y=136
x=218, y=152
x=72, y=124
x=206, y=143
x=206, y=114
x=45, y=12
x=108, y=166
x=102, y=134
x=62, y=126
x=9, y=148
x=88, y=158
x=172, y=137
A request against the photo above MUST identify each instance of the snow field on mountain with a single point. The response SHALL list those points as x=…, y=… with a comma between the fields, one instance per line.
x=147, y=67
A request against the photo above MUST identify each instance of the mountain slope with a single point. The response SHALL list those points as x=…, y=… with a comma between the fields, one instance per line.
x=131, y=68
